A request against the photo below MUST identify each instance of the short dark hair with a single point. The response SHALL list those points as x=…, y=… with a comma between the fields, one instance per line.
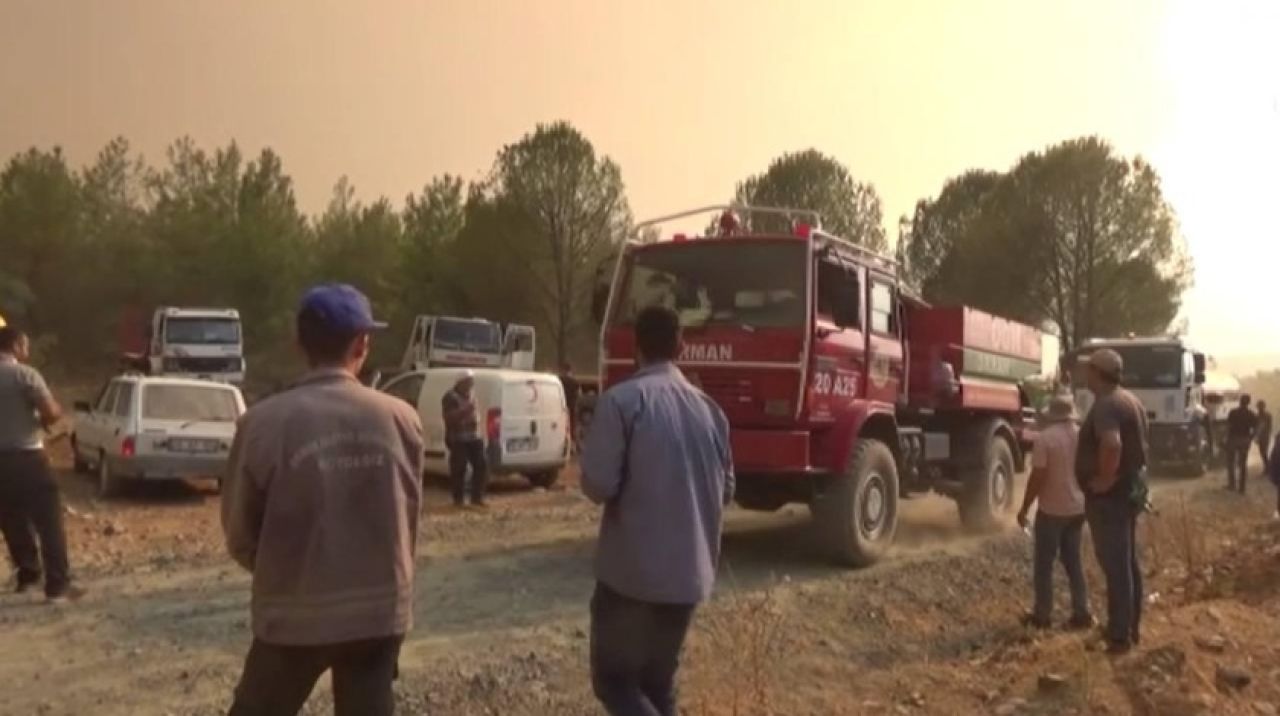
x=1245, y=399
x=321, y=343
x=658, y=333
x=10, y=337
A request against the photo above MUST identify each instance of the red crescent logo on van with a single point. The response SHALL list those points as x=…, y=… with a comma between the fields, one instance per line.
x=533, y=391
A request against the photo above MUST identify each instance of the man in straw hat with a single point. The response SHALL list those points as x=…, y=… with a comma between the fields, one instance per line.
x=1059, y=520
x=1111, y=462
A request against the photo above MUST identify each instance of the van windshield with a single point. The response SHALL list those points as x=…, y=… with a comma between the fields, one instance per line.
x=471, y=336
x=710, y=282
x=183, y=402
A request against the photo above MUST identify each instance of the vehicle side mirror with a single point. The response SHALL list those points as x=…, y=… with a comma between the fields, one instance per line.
x=82, y=406
x=1199, y=361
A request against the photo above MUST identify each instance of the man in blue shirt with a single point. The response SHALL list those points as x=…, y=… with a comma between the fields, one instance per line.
x=658, y=459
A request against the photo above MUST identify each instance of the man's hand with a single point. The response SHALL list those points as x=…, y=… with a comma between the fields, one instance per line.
x=1022, y=519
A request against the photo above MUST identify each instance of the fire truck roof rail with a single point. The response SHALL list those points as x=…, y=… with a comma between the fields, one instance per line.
x=742, y=210
x=862, y=253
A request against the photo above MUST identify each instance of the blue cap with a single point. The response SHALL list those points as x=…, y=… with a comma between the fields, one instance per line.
x=341, y=307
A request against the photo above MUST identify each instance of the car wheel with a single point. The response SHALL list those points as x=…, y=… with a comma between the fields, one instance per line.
x=109, y=484
x=544, y=479
x=78, y=463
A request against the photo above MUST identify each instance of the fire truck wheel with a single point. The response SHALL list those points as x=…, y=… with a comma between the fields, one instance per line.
x=858, y=511
x=989, y=492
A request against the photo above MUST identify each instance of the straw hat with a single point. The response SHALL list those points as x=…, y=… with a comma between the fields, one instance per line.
x=1061, y=409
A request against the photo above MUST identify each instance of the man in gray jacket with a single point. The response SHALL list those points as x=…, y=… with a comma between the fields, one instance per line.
x=658, y=459
x=322, y=507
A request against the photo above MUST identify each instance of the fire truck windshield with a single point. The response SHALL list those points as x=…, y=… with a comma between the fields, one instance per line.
x=471, y=336
x=758, y=284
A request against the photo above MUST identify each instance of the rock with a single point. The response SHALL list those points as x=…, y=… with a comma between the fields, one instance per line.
x=1215, y=644
x=916, y=699
x=1265, y=709
x=113, y=529
x=1229, y=678
x=1010, y=707
x=1051, y=682
x=579, y=633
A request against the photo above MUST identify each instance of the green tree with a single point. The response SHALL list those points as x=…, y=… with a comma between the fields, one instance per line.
x=39, y=237
x=557, y=209
x=814, y=181
x=1073, y=235
x=937, y=226
x=433, y=220
x=363, y=245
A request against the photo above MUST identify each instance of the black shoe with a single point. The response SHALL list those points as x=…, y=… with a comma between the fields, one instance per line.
x=1082, y=622
x=1118, y=648
x=26, y=585
x=1031, y=620
x=70, y=594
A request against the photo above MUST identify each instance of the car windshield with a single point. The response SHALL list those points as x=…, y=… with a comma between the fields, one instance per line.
x=205, y=331
x=751, y=285
x=1151, y=366
x=475, y=336
x=186, y=402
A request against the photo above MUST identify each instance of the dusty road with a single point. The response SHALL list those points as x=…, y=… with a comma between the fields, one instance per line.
x=501, y=619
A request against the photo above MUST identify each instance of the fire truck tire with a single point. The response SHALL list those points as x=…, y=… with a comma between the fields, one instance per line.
x=989, y=492
x=857, y=514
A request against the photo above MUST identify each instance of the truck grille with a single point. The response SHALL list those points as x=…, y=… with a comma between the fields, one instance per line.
x=208, y=365
x=731, y=393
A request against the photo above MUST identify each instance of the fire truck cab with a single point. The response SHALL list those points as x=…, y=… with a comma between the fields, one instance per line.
x=843, y=390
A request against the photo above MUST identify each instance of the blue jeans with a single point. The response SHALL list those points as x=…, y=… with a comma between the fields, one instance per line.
x=1113, y=523
x=635, y=652
x=1058, y=538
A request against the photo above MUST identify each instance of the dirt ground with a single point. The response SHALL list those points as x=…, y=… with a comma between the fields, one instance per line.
x=501, y=616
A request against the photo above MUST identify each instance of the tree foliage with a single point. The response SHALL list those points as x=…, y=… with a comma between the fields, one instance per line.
x=1074, y=236
x=89, y=252
x=814, y=181
x=556, y=209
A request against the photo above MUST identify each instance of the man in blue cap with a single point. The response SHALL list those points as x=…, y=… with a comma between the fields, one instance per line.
x=321, y=505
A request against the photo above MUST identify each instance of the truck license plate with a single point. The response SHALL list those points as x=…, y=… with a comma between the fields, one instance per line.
x=522, y=444
x=193, y=445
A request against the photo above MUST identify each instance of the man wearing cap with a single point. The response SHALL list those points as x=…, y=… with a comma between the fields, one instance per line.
x=1111, y=462
x=321, y=505
x=1242, y=426
x=1060, y=516
x=462, y=438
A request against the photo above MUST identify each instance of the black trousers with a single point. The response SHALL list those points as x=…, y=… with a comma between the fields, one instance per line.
x=31, y=509
x=1237, y=463
x=635, y=653
x=1113, y=524
x=278, y=679
x=462, y=454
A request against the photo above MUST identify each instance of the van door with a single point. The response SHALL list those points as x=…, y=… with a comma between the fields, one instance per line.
x=535, y=427
x=519, y=347
x=435, y=385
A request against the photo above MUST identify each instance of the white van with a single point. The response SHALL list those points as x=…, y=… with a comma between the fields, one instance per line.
x=524, y=419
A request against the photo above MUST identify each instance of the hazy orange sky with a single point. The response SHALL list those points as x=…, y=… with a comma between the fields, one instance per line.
x=689, y=97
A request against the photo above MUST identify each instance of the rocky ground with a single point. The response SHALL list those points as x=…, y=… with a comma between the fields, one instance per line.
x=501, y=620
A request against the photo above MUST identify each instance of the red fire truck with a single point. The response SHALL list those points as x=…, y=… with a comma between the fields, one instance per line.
x=844, y=391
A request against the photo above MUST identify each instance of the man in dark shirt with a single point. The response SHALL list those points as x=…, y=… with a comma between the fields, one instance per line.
x=462, y=438
x=1242, y=426
x=1263, y=436
x=571, y=392
x=1111, y=459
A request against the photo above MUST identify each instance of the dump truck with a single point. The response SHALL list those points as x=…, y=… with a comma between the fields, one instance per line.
x=455, y=342
x=844, y=390
x=183, y=342
x=1167, y=375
